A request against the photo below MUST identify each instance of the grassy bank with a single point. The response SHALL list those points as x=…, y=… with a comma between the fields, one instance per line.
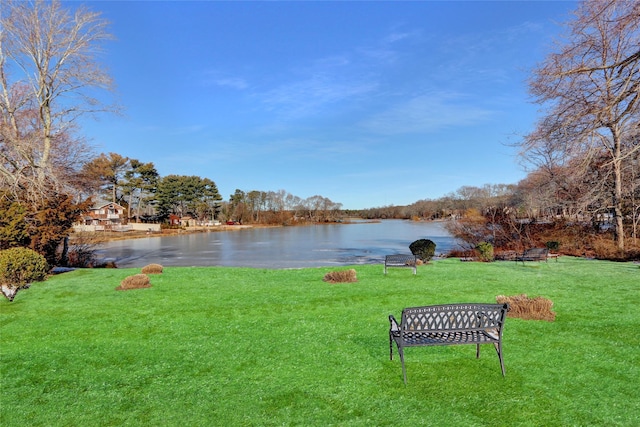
x=252, y=347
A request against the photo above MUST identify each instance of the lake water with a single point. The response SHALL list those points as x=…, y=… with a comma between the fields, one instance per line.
x=281, y=247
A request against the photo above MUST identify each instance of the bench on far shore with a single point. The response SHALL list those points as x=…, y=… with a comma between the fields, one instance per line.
x=401, y=260
x=448, y=324
x=534, y=254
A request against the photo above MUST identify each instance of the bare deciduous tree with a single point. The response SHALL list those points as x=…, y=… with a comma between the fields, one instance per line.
x=48, y=69
x=591, y=88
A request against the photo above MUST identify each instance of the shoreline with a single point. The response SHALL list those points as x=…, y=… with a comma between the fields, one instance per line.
x=112, y=236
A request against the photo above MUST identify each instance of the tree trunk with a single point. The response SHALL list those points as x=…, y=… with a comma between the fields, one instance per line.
x=617, y=194
x=129, y=207
x=64, y=257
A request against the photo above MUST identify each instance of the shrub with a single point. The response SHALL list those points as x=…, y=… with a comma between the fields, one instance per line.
x=152, y=269
x=80, y=257
x=105, y=264
x=52, y=221
x=18, y=268
x=553, y=246
x=137, y=281
x=521, y=306
x=604, y=247
x=13, y=224
x=423, y=249
x=82, y=250
x=485, y=251
x=343, y=276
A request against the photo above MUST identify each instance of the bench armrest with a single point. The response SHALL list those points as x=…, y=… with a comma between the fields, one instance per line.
x=394, y=324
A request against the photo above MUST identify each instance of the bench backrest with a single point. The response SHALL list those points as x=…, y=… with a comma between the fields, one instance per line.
x=400, y=259
x=454, y=317
x=536, y=252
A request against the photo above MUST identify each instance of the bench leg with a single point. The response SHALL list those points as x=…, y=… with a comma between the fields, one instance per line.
x=498, y=346
x=390, y=347
x=404, y=370
x=401, y=353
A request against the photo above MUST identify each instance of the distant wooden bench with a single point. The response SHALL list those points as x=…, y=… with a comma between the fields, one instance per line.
x=554, y=255
x=534, y=254
x=401, y=260
x=448, y=324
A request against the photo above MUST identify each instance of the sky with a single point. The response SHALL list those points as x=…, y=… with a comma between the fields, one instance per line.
x=367, y=103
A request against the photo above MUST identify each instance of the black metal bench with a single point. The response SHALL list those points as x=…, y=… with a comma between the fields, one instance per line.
x=448, y=324
x=401, y=260
x=534, y=254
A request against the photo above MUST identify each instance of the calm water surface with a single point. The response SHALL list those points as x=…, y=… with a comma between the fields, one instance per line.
x=281, y=247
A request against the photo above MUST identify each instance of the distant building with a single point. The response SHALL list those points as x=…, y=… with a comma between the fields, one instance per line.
x=106, y=216
x=174, y=219
x=187, y=221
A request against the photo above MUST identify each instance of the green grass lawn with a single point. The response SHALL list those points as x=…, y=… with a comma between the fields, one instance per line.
x=255, y=347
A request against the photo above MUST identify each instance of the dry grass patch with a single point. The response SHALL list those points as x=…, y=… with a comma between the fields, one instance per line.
x=523, y=307
x=342, y=276
x=152, y=269
x=137, y=281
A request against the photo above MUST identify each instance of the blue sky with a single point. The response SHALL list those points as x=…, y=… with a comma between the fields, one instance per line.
x=366, y=103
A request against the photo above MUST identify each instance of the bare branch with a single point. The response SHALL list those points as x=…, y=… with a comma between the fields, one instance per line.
x=591, y=88
x=48, y=67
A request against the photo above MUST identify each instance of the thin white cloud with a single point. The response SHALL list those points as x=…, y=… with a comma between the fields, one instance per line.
x=335, y=61
x=396, y=36
x=478, y=43
x=183, y=130
x=186, y=130
x=426, y=113
x=232, y=82
x=379, y=54
x=337, y=78
x=387, y=50
x=312, y=95
x=218, y=78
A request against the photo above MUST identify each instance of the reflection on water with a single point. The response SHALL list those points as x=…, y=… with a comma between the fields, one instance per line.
x=281, y=247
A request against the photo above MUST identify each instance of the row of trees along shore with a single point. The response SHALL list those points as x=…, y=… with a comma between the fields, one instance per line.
x=582, y=154
x=149, y=197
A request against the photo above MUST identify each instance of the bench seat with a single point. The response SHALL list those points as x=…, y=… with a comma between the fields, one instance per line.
x=448, y=338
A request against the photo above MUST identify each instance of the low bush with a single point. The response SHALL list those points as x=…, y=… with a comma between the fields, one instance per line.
x=137, y=281
x=553, y=246
x=459, y=253
x=523, y=307
x=82, y=250
x=505, y=255
x=18, y=268
x=424, y=249
x=152, y=269
x=342, y=276
x=485, y=251
x=105, y=264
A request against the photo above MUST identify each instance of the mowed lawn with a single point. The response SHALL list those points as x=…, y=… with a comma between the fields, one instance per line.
x=221, y=346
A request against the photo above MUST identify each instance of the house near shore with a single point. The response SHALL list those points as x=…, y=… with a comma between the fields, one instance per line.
x=105, y=217
x=174, y=220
